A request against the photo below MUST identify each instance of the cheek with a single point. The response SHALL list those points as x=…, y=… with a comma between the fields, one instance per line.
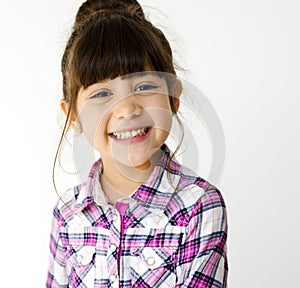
x=163, y=120
x=161, y=114
x=93, y=122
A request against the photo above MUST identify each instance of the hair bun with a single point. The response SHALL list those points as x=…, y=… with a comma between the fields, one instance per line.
x=91, y=7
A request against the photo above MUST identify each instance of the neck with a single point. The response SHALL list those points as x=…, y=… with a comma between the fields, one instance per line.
x=120, y=181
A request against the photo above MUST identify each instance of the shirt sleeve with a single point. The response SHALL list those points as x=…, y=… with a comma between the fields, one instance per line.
x=202, y=256
x=56, y=270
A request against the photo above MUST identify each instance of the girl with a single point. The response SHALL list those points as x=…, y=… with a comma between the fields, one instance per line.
x=140, y=219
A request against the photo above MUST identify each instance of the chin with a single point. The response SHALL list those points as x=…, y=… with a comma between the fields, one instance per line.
x=136, y=160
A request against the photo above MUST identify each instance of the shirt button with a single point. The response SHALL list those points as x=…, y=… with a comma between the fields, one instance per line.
x=113, y=278
x=80, y=258
x=112, y=247
x=150, y=261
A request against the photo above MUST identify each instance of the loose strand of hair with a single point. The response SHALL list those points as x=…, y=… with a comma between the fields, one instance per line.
x=173, y=155
x=58, y=151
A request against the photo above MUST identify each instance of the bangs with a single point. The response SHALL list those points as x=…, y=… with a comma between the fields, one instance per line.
x=115, y=45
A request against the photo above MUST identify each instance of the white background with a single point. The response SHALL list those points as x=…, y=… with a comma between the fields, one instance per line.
x=243, y=55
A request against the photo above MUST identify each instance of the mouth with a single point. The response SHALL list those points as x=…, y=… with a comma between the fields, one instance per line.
x=130, y=134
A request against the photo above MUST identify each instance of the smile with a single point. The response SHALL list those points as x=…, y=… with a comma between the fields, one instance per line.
x=125, y=135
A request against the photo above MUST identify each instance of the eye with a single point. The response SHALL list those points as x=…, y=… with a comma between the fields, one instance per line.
x=101, y=94
x=145, y=88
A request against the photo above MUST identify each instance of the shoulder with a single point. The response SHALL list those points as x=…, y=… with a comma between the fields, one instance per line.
x=193, y=185
x=67, y=203
x=80, y=196
x=195, y=195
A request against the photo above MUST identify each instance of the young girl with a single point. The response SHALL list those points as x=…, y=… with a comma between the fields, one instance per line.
x=140, y=219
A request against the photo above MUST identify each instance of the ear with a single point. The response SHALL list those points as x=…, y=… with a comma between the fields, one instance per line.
x=176, y=92
x=73, y=121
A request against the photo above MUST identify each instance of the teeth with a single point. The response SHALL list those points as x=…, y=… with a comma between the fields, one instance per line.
x=129, y=134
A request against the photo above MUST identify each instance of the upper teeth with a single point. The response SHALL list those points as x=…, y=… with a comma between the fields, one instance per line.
x=130, y=134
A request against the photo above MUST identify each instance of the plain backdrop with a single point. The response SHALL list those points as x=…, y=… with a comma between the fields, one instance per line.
x=243, y=55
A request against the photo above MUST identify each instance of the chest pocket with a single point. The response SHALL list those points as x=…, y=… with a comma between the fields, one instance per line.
x=86, y=250
x=153, y=255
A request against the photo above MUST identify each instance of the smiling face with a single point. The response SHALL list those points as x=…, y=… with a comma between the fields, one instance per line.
x=126, y=119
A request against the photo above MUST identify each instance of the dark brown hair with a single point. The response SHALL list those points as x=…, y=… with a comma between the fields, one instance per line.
x=111, y=38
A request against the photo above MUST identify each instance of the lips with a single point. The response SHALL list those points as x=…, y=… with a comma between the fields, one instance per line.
x=130, y=134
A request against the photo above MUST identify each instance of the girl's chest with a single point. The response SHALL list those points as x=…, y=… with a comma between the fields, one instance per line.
x=122, y=254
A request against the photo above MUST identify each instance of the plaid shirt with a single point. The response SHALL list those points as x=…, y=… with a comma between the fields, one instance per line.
x=172, y=234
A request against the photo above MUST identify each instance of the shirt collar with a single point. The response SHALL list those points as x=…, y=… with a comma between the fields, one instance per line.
x=154, y=194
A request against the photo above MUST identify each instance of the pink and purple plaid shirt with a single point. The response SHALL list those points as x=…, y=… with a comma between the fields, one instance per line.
x=170, y=233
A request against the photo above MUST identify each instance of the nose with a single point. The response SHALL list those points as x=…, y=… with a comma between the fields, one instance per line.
x=127, y=108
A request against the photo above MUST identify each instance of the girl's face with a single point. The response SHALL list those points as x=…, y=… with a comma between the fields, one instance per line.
x=126, y=119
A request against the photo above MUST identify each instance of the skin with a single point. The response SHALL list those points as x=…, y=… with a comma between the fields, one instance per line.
x=120, y=105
